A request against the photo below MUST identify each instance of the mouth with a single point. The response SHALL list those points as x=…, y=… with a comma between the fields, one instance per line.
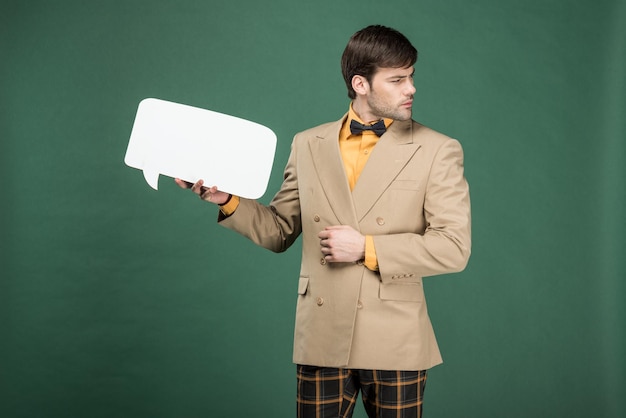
x=408, y=104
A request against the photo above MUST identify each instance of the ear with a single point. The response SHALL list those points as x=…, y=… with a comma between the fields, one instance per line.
x=360, y=85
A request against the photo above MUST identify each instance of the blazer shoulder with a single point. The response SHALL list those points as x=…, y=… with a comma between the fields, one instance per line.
x=323, y=130
x=316, y=130
x=429, y=137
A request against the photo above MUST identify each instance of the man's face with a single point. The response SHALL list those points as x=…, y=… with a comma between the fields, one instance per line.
x=391, y=94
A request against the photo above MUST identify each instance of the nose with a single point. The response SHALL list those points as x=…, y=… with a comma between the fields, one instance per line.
x=410, y=90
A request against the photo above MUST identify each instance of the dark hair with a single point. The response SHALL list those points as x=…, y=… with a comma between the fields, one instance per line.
x=372, y=48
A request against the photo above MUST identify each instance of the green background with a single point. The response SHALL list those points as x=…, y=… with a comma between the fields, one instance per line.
x=119, y=301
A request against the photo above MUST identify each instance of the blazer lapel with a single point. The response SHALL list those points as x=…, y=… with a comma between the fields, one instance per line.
x=332, y=175
x=391, y=154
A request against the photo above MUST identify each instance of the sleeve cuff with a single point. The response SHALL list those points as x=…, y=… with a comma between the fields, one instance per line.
x=231, y=206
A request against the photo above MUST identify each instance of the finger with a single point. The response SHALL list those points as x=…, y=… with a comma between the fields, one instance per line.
x=197, y=187
x=336, y=227
x=182, y=183
x=205, y=194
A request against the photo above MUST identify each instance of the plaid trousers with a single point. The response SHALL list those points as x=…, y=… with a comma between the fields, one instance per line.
x=332, y=393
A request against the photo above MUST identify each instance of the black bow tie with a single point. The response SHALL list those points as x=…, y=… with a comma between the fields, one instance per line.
x=378, y=128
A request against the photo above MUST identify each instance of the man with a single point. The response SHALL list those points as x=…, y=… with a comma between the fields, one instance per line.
x=381, y=202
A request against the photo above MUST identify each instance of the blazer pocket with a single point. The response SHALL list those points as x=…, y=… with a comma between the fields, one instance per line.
x=402, y=292
x=303, y=285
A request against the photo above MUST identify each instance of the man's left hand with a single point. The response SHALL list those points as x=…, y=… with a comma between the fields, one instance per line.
x=342, y=244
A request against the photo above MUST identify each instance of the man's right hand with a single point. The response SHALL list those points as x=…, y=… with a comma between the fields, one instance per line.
x=208, y=194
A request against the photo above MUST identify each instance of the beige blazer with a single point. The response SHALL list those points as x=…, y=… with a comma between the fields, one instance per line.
x=412, y=197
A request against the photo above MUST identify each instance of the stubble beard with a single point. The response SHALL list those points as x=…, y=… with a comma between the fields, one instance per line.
x=385, y=110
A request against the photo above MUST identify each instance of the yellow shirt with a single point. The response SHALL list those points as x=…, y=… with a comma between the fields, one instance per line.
x=355, y=150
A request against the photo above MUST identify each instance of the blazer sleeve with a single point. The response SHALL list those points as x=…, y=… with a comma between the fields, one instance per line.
x=445, y=245
x=276, y=226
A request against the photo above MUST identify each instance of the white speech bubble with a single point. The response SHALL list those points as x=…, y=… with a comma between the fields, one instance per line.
x=190, y=143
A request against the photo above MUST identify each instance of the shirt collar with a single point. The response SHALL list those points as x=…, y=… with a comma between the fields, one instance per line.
x=345, y=130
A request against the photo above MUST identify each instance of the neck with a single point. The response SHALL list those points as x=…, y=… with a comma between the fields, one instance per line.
x=363, y=111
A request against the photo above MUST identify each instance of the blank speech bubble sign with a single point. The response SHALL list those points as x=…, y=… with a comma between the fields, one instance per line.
x=190, y=143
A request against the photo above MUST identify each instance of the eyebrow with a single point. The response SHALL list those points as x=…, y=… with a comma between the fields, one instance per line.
x=401, y=76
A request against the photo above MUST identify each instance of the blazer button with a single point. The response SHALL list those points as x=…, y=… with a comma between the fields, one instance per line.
x=380, y=221
x=320, y=301
x=323, y=261
x=317, y=218
x=359, y=305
